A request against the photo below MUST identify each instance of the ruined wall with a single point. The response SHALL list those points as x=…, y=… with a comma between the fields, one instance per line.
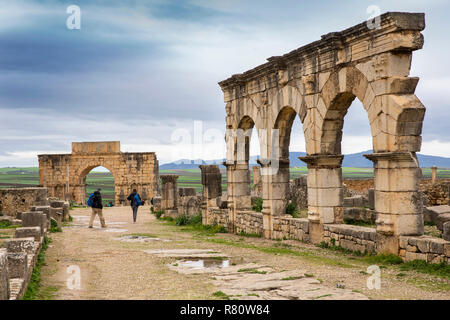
x=16, y=200
x=433, y=250
x=219, y=217
x=286, y=227
x=249, y=222
x=19, y=257
x=298, y=192
x=354, y=238
x=65, y=175
x=436, y=194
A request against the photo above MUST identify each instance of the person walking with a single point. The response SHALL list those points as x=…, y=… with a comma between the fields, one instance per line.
x=135, y=202
x=95, y=201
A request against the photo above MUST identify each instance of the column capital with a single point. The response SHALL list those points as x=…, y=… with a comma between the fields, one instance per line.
x=391, y=156
x=326, y=161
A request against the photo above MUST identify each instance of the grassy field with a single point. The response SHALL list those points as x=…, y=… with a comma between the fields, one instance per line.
x=27, y=177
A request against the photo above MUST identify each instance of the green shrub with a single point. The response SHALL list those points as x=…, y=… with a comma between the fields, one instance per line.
x=158, y=214
x=257, y=206
x=54, y=226
x=182, y=220
x=197, y=219
x=292, y=209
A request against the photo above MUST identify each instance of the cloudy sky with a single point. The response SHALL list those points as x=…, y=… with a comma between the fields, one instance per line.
x=145, y=72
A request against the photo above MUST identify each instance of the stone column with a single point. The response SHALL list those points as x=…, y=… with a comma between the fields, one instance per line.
x=257, y=184
x=169, y=199
x=433, y=174
x=398, y=202
x=212, y=189
x=275, y=191
x=325, y=193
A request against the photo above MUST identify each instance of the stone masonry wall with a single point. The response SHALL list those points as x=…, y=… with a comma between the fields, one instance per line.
x=218, y=217
x=250, y=222
x=16, y=200
x=286, y=227
x=351, y=237
x=433, y=250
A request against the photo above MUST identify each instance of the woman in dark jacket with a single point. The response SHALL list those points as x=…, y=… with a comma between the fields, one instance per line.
x=135, y=202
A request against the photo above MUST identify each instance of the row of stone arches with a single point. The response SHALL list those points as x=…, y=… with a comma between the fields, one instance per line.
x=318, y=83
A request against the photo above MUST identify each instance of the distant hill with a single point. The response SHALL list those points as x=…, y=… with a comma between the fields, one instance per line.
x=350, y=160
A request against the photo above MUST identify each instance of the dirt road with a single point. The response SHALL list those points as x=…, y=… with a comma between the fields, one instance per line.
x=138, y=261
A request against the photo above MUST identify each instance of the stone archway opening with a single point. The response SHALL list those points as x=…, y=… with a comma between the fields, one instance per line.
x=103, y=178
x=64, y=174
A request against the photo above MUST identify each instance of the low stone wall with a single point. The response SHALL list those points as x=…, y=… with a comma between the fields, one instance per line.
x=20, y=256
x=351, y=237
x=358, y=186
x=286, y=227
x=360, y=214
x=436, y=194
x=189, y=205
x=16, y=200
x=250, y=222
x=430, y=249
x=218, y=216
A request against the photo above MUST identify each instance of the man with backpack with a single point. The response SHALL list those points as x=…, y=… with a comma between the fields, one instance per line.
x=135, y=202
x=95, y=201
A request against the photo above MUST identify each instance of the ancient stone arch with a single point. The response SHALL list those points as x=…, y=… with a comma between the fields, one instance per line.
x=65, y=174
x=318, y=82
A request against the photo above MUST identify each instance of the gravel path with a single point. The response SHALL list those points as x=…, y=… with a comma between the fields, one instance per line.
x=124, y=261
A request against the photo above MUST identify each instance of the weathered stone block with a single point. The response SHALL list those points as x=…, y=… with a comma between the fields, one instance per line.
x=432, y=213
x=17, y=265
x=409, y=256
x=441, y=219
x=19, y=245
x=34, y=219
x=27, y=232
x=4, y=278
x=446, y=231
x=423, y=245
x=57, y=203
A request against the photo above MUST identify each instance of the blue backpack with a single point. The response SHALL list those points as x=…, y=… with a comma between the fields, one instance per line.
x=137, y=200
x=90, y=202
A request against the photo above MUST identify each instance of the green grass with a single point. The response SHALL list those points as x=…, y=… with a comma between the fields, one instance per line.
x=34, y=290
x=252, y=270
x=148, y=235
x=250, y=235
x=332, y=246
x=436, y=269
x=221, y=295
x=312, y=256
x=7, y=225
x=384, y=259
x=194, y=224
x=359, y=223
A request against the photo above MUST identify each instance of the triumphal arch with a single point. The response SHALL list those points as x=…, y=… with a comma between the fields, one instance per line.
x=317, y=83
x=65, y=174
